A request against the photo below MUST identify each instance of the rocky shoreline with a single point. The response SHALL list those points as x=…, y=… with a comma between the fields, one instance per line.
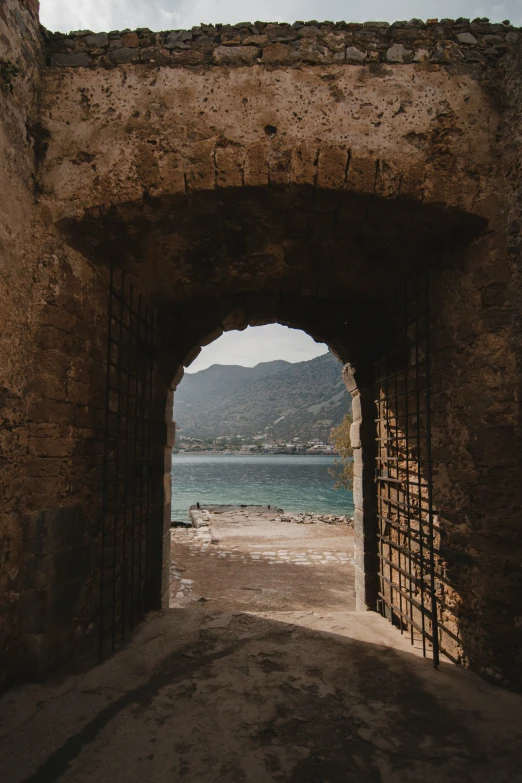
x=308, y=518
x=202, y=517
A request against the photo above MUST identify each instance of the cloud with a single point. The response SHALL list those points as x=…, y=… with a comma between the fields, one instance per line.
x=259, y=344
x=174, y=14
x=108, y=15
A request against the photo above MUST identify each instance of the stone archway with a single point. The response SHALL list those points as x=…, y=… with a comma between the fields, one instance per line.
x=238, y=183
x=329, y=262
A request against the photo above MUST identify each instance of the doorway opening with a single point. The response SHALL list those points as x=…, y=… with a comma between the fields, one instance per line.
x=258, y=523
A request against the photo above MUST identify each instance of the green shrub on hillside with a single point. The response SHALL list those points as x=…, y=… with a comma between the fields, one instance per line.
x=343, y=471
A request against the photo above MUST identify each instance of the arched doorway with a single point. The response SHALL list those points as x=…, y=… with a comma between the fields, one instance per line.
x=317, y=260
x=240, y=212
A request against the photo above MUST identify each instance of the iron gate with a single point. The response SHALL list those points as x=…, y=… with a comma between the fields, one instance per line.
x=128, y=471
x=411, y=582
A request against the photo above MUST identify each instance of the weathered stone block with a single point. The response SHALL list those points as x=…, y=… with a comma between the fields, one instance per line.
x=97, y=41
x=124, y=55
x=354, y=55
x=45, y=430
x=362, y=174
x=359, y=526
x=261, y=309
x=49, y=532
x=358, y=463
x=171, y=434
x=178, y=375
x=177, y=45
x=376, y=25
x=399, y=54
x=256, y=164
x=493, y=40
x=421, y=56
x=190, y=57
x=179, y=35
x=349, y=378
x=356, y=407
x=355, y=435
x=167, y=487
x=130, y=40
x=335, y=40
x=310, y=31
x=331, y=174
x=82, y=393
x=78, y=60
x=366, y=591
x=229, y=167
x=358, y=493
x=312, y=52
x=232, y=315
x=191, y=356
x=276, y=53
x=158, y=56
x=467, y=38
x=279, y=161
x=365, y=557
x=210, y=337
x=235, y=55
x=52, y=447
x=255, y=40
x=231, y=39
x=47, y=467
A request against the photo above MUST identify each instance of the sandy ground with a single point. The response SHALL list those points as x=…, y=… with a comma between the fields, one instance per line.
x=271, y=678
x=246, y=560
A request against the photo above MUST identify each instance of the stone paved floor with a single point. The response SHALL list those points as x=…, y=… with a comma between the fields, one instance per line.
x=263, y=675
x=248, y=558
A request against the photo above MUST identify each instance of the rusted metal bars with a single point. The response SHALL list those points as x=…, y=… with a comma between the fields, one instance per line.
x=127, y=489
x=408, y=590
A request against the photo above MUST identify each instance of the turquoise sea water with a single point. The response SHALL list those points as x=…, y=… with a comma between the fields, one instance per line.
x=290, y=482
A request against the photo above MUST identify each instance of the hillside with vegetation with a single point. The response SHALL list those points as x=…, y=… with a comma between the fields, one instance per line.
x=276, y=400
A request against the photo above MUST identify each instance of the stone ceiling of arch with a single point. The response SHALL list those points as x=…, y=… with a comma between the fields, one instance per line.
x=298, y=240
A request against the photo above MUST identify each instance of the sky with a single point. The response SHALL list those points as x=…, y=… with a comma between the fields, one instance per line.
x=105, y=15
x=258, y=344
x=264, y=343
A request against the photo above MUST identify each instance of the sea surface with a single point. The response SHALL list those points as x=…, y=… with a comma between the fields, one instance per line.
x=294, y=483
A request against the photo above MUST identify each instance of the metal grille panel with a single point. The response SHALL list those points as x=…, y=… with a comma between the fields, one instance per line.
x=411, y=584
x=127, y=463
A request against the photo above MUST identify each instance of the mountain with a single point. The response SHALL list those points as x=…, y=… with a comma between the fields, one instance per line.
x=278, y=399
x=221, y=380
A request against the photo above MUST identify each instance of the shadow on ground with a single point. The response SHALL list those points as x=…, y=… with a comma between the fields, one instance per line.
x=204, y=696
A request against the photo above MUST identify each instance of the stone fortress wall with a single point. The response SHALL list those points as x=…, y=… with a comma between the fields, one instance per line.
x=21, y=64
x=52, y=382
x=100, y=163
